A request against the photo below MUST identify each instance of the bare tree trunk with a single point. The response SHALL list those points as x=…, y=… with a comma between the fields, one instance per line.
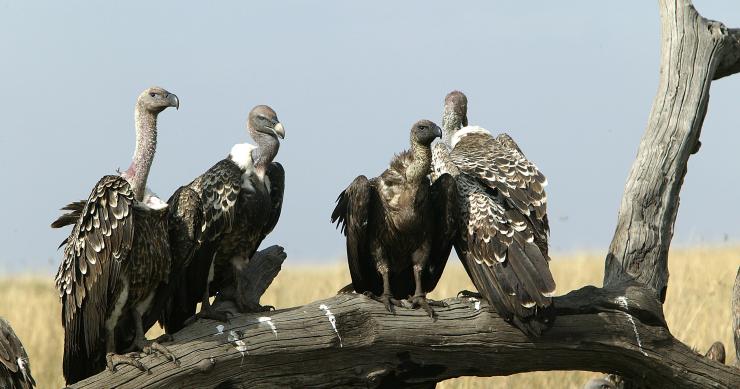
x=694, y=51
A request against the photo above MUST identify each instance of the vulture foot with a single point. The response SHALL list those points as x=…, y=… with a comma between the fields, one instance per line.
x=469, y=294
x=387, y=300
x=154, y=347
x=421, y=301
x=114, y=360
x=209, y=314
x=253, y=308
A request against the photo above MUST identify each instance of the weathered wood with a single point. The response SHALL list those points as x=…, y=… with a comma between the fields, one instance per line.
x=694, y=51
x=613, y=331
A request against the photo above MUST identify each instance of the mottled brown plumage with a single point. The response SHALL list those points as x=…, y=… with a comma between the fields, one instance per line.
x=227, y=213
x=399, y=227
x=15, y=369
x=504, y=230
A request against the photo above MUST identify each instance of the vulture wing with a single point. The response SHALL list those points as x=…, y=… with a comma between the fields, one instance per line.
x=446, y=218
x=505, y=245
x=352, y=214
x=276, y=175
x=200, y=213
x=15, y=371
x=87, y=279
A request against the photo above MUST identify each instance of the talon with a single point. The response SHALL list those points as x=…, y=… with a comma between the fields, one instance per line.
x=113, y=360
x=469, y=294
x=420, y=301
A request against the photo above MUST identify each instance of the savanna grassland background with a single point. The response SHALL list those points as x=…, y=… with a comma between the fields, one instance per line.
x=697, y=307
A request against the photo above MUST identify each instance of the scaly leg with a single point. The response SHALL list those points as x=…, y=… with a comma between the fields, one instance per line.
x=149, y=347
x=419, y=299
x=387, y=297
x=113, y=359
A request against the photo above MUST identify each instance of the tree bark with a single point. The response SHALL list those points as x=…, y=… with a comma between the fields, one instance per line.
x=694, y=52
x=619, y=330
x=736, y=317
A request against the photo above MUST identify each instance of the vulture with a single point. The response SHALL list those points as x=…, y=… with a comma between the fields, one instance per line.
x=218, y=221
x=503, y=218
x=116, y=256
x=399, y=227
x=15, y=370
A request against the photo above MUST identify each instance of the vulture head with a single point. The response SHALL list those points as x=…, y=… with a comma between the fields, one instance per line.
x=456, y=103
x=264, y=121
x=424, y=132
x=155, y=100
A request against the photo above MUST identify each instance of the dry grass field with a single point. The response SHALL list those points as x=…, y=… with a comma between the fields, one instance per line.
x=697, y=309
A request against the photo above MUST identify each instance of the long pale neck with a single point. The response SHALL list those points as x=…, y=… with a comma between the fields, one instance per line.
x=422, y=164
x=146, y=144
x=451, y=122
x=264, y=154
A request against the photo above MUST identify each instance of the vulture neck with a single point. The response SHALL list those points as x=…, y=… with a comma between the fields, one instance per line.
x=451, y=122
x=146, y=144
x=422, y=164
x=267, y=149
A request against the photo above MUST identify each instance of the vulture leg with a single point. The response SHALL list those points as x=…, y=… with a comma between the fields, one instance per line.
x=387, y=297
x=149, y=347
x=419, y=299
x=113, y=360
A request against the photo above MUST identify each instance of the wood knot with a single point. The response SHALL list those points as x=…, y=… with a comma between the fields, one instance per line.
x=206, y=365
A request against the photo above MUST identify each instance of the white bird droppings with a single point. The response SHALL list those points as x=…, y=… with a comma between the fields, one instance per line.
x=219, y=330
x=622, y=301
x=268, y=321
x=332, y=320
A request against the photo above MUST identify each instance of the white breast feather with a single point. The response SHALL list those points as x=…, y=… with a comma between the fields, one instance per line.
x=241, y=154
x=465, y=131
x=153, y=201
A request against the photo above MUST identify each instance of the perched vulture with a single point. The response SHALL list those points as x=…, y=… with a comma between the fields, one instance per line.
x=399, y=227
x=504, y=229
x=15, y=370
x=116, y=256
x=218, y=221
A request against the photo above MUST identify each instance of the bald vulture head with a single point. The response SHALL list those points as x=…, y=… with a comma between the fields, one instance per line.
x=155, y=100
x=457, y=103
x=263, y=120
x=424, y=132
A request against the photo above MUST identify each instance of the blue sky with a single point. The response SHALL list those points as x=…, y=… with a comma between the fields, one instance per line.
x=572, y=82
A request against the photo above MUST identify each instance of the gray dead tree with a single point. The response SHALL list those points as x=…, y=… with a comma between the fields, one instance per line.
x=349, y=340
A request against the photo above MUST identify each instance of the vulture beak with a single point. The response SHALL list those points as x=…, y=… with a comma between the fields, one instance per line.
x=173, y=101
x=279, y=130
x=437, y=132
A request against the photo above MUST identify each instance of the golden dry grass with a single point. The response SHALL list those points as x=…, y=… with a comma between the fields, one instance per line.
x=697, y=307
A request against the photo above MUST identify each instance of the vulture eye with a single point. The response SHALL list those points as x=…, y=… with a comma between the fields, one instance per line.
x=152, y=94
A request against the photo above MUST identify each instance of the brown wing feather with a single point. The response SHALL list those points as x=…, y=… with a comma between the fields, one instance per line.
x=15, y=369
x=352, y=215
x=87, y=278
x=504, y=209
x=446, y=224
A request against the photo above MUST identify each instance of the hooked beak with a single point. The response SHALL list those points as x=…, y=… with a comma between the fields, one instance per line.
x=279, y=130
x=173, y=101
x=437, y=132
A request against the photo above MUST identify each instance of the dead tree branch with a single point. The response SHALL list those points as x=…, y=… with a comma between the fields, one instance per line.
x=694, y=52
x=619, y=330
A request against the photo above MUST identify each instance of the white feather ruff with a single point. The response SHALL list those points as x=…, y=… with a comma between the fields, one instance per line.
x=465, y=131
